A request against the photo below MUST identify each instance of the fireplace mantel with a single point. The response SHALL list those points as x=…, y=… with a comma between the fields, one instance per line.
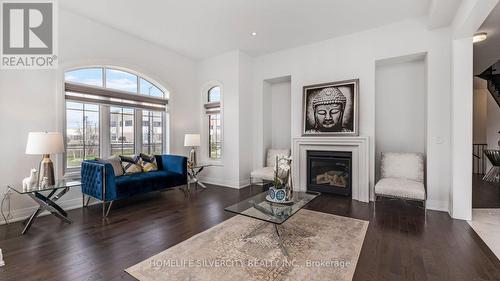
x=359, y=146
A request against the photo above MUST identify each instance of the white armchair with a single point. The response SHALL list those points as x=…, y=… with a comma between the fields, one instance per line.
x=402, y=176
x=267, y=173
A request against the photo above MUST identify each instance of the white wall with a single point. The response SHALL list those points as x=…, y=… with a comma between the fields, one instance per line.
x=280, y=115
x=400, y=108
x=354, y=56
x=233, y=71
x=32, y=100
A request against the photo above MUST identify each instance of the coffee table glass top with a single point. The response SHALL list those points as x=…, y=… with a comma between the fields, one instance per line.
x=258, y=207
x=65, y=183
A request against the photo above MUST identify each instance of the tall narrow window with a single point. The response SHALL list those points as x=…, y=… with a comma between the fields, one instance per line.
x=213, y=112
x=152, y=132
x=82, y=132
x=121, y=131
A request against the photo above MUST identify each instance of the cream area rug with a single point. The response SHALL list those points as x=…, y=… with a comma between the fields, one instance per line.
x=320, y=247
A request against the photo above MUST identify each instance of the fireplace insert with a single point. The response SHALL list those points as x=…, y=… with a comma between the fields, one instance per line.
x=329, y=171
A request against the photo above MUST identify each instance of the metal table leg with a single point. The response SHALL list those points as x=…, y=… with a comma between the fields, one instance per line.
x=47, y=203
x=263, y=225
x=280, y=241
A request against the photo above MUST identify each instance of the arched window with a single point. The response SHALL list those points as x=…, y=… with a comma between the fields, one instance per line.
x=213, y=114
x=112, y=111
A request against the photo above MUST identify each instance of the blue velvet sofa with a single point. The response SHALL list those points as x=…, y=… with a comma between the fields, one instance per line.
x=99, y=181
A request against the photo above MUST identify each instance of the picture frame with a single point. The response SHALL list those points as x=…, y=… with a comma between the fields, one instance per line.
x=331, y=109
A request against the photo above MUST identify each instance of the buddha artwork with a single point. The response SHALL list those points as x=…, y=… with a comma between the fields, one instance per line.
x=330, y=109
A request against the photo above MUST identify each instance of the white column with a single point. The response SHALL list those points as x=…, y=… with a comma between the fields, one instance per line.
x=461, y=119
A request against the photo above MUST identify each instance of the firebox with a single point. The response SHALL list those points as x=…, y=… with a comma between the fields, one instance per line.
x=329, y=171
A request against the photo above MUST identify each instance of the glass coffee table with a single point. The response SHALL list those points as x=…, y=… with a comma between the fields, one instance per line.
x=46, y=202
x=258, y=207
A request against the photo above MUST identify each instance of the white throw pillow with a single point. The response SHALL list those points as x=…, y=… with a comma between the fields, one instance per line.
x=272, y=153
x=403, y=166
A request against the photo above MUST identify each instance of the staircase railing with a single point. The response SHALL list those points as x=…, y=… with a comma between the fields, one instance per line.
x=478, y=158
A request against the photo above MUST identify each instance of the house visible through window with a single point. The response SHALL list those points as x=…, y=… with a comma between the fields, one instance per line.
x=213, y=112
x=117, y=96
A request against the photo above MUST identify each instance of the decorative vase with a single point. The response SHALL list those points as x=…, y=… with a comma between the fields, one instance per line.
x=282, y=191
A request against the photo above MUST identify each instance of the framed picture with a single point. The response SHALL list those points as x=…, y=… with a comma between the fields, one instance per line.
x=331, y=109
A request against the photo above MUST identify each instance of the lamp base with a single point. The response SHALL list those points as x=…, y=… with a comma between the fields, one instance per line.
x=192, y=157
x=46, y=171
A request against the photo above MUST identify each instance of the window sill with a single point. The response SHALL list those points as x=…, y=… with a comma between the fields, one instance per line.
x=73, y=174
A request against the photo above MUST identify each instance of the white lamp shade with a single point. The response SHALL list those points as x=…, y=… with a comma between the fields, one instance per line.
x=192, y=140
x=44, y=143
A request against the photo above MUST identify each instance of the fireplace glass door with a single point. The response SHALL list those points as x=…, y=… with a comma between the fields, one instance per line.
x=329, y=171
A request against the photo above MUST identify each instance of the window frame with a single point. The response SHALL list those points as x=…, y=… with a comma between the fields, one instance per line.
x=105, y=121
x=205, y=125
x=65, y=122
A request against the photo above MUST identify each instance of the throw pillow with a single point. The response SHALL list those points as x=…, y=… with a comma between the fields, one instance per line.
x=131, y=165
x=148, y=163
x=115, y=162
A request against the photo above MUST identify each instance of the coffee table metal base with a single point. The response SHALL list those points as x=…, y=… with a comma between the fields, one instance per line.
x=276, y=231
x=47, y=203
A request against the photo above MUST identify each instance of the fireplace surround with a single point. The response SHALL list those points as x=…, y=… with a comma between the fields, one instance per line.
x=362, y=189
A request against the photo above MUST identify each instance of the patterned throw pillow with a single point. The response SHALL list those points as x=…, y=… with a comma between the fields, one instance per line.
x=131, y=165
x=148, y=163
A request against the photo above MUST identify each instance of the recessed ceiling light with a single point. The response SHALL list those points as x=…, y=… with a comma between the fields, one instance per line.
x=480, y=36
x=254, y=33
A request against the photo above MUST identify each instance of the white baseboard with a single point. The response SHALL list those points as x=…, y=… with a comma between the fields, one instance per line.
x=226, y=183
x=437, y=205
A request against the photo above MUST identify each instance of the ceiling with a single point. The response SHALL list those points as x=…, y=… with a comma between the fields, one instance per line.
x=487, y=52
x=201, y=28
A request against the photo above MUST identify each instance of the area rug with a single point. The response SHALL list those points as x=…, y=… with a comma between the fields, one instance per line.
x=320, y=247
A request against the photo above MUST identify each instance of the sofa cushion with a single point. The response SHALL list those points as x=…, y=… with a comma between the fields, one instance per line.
x=131, y=165
x=266, y=173
x=401, y=188
x=148, y=163
x=115, y=162
x=129, y=185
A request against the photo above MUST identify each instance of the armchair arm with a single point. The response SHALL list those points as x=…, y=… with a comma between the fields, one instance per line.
x=95, y=184
x=173, y=163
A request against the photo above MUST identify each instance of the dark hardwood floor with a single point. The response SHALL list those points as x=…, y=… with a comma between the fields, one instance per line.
x=484, y=194
x=399, y=245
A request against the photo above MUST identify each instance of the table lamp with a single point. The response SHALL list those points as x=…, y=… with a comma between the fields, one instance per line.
x=45, y=143
x=192, y=140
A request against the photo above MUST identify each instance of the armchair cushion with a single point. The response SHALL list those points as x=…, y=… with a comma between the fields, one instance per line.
x=272, y=153
x=401, y=188
x=408, y=166
x=266, y=173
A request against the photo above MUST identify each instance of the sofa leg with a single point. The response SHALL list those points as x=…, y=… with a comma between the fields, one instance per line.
x=88, y=201
x=83, y=200
x=103, y=209
x=109, y=208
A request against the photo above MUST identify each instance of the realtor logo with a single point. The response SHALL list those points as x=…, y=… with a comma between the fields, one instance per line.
x=28, y=35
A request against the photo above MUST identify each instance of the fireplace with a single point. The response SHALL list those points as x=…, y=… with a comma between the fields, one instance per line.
x=329, y=171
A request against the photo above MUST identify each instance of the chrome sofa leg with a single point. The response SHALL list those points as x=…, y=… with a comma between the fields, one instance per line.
x=88, y=201
x=109, y=208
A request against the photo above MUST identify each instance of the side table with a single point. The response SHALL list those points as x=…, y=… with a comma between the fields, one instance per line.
x=46, y=202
